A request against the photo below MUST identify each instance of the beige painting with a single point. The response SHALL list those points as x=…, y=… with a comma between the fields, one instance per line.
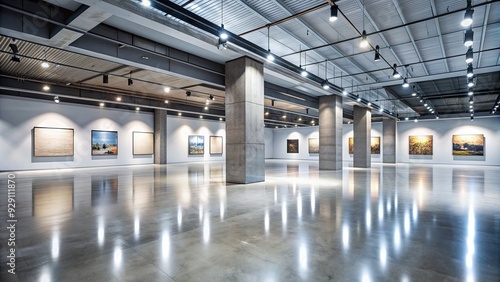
x=216, y=145
x=374, y=145
x=53, y=142
x=143, y=143
x=313, y=145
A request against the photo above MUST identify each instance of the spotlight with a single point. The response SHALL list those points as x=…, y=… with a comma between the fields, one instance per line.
x=220, y=119
x=101, y=104
x=222, y=45
x=470, y=82
x=469, y=37
x=146, y=3
x=212, y=97
x=407, y=118
x=130, y=82
x=270, y=56
x=472, y=118
x=266, y=113
x=471, y=100
x=284, y=116
x=201, y=116
x=166, y=89
x=364, y=40
x=179, y=114
x=377, y=54
x=344, y=92
x=437, y=116
x=13, y=47
x=188, y=93
x=118, y=99
x=369, y=104
x=325, y=85
x=105, y=78
x=303, y=72
x=334, y=10
x=396, y=74
x=381, y=109
x=56, y=100
x=405, y=83
x=471, y=92
x=45, y=65
x=206, y=108
x=46, y=88
x=223, y=34
x=469, y=56
x=359, y=99
x=416, y=119
x=15, y=58
x=166, y=101
x=470, y=71
x=414, y=93
x=137, y=108
x=467, y=21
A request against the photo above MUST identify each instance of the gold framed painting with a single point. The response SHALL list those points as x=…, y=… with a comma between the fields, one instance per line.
x=468, y=145
x=420, y=145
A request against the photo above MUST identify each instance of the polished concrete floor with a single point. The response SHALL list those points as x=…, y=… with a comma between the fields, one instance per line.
x=183, y=223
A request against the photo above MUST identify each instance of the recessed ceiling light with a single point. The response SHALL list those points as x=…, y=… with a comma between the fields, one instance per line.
x=137, y=108
x=146, y=3
x=45, y=65
x=101, y=104
x=46, y=88
x=118, y=99
x=166, y=101
x=166, y=89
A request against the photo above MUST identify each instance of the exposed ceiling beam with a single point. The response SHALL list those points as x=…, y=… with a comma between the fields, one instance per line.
x=440, y=35
x=483, y=34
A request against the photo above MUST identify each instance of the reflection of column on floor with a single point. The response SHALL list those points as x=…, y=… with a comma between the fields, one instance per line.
x=160, y=152
x=244, y=121
x=330, y=132
x=389, y=140
x=362, y=137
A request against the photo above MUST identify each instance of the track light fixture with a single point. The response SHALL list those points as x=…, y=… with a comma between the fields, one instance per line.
x=405, y=83
x=105, y=78
x=45, y=64
x=46, y=88
x=414, y=93
x=222, y=33
x=15, y=58
x=270, y=56
x=470, y=82
x=364, y=40
x=467, y=21
x=472, y=118
x=56, y=100
x=325, y=85
x=377, y=54
x=396, y=74
x=13, y=46
x=469, y=37
x=146, y=3
x=344, y=92
x=130, y=82
x=166, y=89
x=303, y=72
x=334, y=11
x=212, y=97
x=188, y=93
x=471, y=100
x=469, y=56
x=471, y=92
x=470, y=71
x=416, y=119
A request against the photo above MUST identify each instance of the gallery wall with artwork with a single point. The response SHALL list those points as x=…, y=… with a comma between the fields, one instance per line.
x=37, y=134
x=452, y=141
x=195, y=140
x=293, y=143
x=376, y=142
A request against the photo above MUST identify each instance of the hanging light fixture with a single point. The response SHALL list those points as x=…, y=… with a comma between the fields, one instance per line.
x=334, y=10
x=270, y=56
x=105, y=78
x=364, y=40
x=469, y=56
x=377, y=54
x=130, y=82
x=396, y=74
x=146, y=3
x=470, y=82
x=405, y=83
x=325, y=84
x=56, y=100
x=469, y=37
x=471, y=91
x=470, y=71
x=467, y=21
x=471, y=100
x=303, y=71
x=414, y=93
x=223, y=35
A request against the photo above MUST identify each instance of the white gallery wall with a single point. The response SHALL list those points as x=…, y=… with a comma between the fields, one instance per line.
x=178, y=131
x=279, y=146
x=442, y=132
x=18, y=117
x=348, y=132
x=268, y=142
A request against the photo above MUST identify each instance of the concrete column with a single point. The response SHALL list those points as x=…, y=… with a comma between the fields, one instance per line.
x=389, y=140
x=244, y=121
x=362, y=137
x=330, y=132
x=160, y=136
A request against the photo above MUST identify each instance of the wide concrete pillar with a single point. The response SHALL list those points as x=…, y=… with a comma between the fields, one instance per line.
x=160, y=153
x=389, y=140
x=330, y=132
x=362, y=137
x=244, y=121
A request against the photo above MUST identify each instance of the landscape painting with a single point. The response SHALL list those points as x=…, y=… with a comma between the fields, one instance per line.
x=313, y=145
x=292, y=146
x=375, y=146
x=104, y=143
x=468, y=145
x=196, y=144
x=143, y=143
x=216, y=145
x=420, y=145
x=53, y=142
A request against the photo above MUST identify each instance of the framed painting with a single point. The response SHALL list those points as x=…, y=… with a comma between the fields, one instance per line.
x=420, y=145
x=53, y=142
x=196, y=144
x=142, y=143
x=216, y=145
x=104, y=143
x=374, y=145
x=468, y=145
x=292, y=146
x=313, y=145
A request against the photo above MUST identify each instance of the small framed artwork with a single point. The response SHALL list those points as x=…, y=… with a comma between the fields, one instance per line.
x=468, y=145
x=53, y=142
x=292, y=146
x=374, y=145
x=196, y=144
x=216, y=145
x=420, y=145
x=142, y=143
x=313, y=145
x=104, y=143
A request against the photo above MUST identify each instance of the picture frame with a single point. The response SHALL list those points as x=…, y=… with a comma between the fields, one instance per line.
x=104, y=143
x=420, y=145
x=292, y=146
x=196, y=145
x=216, y=145
x=468, y=145
x=313, y=145
x=142, y=143
x=53, y=142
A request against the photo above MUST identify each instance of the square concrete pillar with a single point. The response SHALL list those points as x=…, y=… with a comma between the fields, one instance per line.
x=245, y=157
x=362, y=137
x=389, y=140
x=160, y=153
x=330, y=132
